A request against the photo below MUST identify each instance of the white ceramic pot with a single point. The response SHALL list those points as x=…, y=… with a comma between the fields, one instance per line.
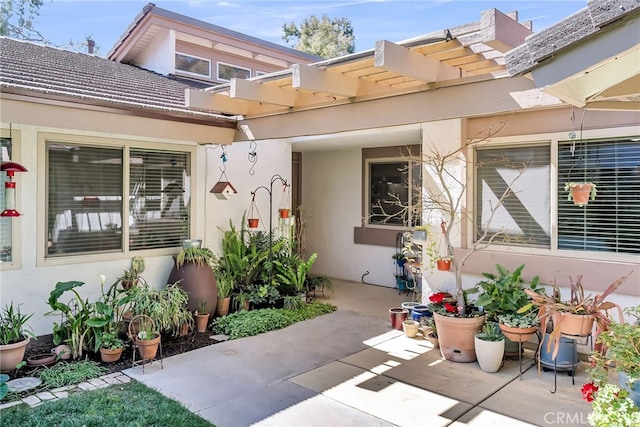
x=489, y=354
x=410, y=328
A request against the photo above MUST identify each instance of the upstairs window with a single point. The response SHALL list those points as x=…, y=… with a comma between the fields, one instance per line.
x=226, y=72
x=611, y=222
x=193, y=65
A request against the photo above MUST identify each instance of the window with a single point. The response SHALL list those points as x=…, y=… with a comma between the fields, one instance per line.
x=610, y=222
x=394, y=192
x=524, y=216
x=193, y=65
x=227, y=72
x=86, y=194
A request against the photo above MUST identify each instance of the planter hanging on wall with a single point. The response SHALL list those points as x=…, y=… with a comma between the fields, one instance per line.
x=581, y=192
x=253, y=222
x=284, y=213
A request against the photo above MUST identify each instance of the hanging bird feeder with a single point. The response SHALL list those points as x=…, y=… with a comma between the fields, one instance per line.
x=223, y=189
x=10, y=188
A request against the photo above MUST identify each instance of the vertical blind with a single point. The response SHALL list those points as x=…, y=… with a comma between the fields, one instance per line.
x=611, y=222
x=523, y=218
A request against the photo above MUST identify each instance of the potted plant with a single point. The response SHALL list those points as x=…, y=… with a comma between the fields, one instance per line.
x=131, y=276
x=443, y=262
x=489, y=345
x=225, y=286
x=580, y=192
x=399, y=258
x=611, y=406
x=111, y=347
x=14, y=337
x=410, y=327
x=429, y=330
x=202, y=317
x=194, y=273
x=573, y=318
x=519, y=327
x=619, y=353
x=146, y=338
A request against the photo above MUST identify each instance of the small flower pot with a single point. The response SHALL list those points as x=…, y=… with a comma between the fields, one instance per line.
x=253, y=222
x=581, y=194
x=410, y=328
x=108, y=355
x=148, y=348
x=201, y=322
x=443, y=264
x=284, y=213
x=397, y=315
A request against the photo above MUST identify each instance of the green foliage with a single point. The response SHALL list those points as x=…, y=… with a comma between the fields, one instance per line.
x=104, y=407
x=64, y=373
x=318, y=282
x=111, y=341
x=515, y=320
x=13, y=325
x=490, y=332
x=504, y=293
x=18, y=17
x=248, y=323
x=167, y=307
x=328, y=38
x=4, y=388
x=198, y=256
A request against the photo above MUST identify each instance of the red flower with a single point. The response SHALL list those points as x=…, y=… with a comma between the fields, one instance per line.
x=450, y=308
x=437, y=298
x=587, y=391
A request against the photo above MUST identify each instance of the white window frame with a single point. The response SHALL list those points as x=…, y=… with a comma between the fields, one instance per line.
x=552, y=139
x=367, y=190
x=230, y=65
x=41, y=250
x=189, y=72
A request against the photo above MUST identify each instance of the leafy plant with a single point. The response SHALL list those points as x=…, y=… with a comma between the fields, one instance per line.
x=4, y=388
x=13, y=325
x=490, y=332
x=166, y=307
x=296, y=273
x=198, y=256
x=224, y=282
x=319, y=282
x=64, y=373
x=259, y=294
x=293, y=302
x=111, y=341
x=503, y=293
x=514, y=320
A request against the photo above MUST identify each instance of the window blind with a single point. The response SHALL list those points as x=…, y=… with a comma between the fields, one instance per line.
x=523, y=219
x=611, y=222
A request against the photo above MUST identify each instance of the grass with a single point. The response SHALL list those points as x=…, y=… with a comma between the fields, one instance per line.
x=131, y=404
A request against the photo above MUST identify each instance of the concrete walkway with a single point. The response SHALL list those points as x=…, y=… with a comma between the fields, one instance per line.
x=351, y=369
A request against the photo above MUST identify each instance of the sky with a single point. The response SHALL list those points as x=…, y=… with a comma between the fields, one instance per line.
x=62, y=21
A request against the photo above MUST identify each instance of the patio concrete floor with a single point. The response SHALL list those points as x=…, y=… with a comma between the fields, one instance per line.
x=349, y=368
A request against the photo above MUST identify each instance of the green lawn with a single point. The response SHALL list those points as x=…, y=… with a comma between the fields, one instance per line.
x=131, y=405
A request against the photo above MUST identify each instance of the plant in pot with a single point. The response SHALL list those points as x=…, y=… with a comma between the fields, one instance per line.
x=111, y=347
x=580, y=192
x=429, y=330
x=146, y=336
x=194, y=273
x=14, y=337
x=131, y=276
x=202, y=317
x=399, y=258
x=175, y=315
x=619, y=354
x=225, y=287
x=489, y=345
x=575, y=317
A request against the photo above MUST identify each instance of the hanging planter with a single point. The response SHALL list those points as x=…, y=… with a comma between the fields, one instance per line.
x=580, y=192
x=253, y=214
x=253, y=222
x=443, y=264
x=284, y=213
x=284, y=203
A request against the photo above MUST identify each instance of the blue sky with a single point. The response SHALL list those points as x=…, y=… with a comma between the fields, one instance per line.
x=105, y=20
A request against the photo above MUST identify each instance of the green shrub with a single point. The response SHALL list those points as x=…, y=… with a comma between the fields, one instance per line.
x=248, y=323
x=64, y=373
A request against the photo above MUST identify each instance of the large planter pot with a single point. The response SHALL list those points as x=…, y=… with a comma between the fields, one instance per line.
x=199, y=282
x=576, y=325
x=633, y=387
x=397, y=315
x=489, y=354
x=518, y=334
x=148, y=348
x=567, y=358
x=201, y=322
x=456, y=336
x=108, y=355
x=12, y=354
x=222, y=307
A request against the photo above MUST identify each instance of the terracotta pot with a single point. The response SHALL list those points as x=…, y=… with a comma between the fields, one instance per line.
x=456, y=336
x=576, y=325
x=253, y=222
x=518, y=334
x=397, y=315
x=201, y=322
x=108, y=355
x=12, y=354
x=222, y=307
x=184, y=330
x=581, y=193
x=148, y=348
x=410, y=328
x=284, y=213
x=41, y=359
x=443, y=264
x=199, y=282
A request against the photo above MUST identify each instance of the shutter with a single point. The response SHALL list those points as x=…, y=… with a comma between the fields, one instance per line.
x=611, y=222
x=525, y=212
x=159, y=197
x=84, y=199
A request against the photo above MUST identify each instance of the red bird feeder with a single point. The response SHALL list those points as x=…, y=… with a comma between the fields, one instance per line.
x=10, y=188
